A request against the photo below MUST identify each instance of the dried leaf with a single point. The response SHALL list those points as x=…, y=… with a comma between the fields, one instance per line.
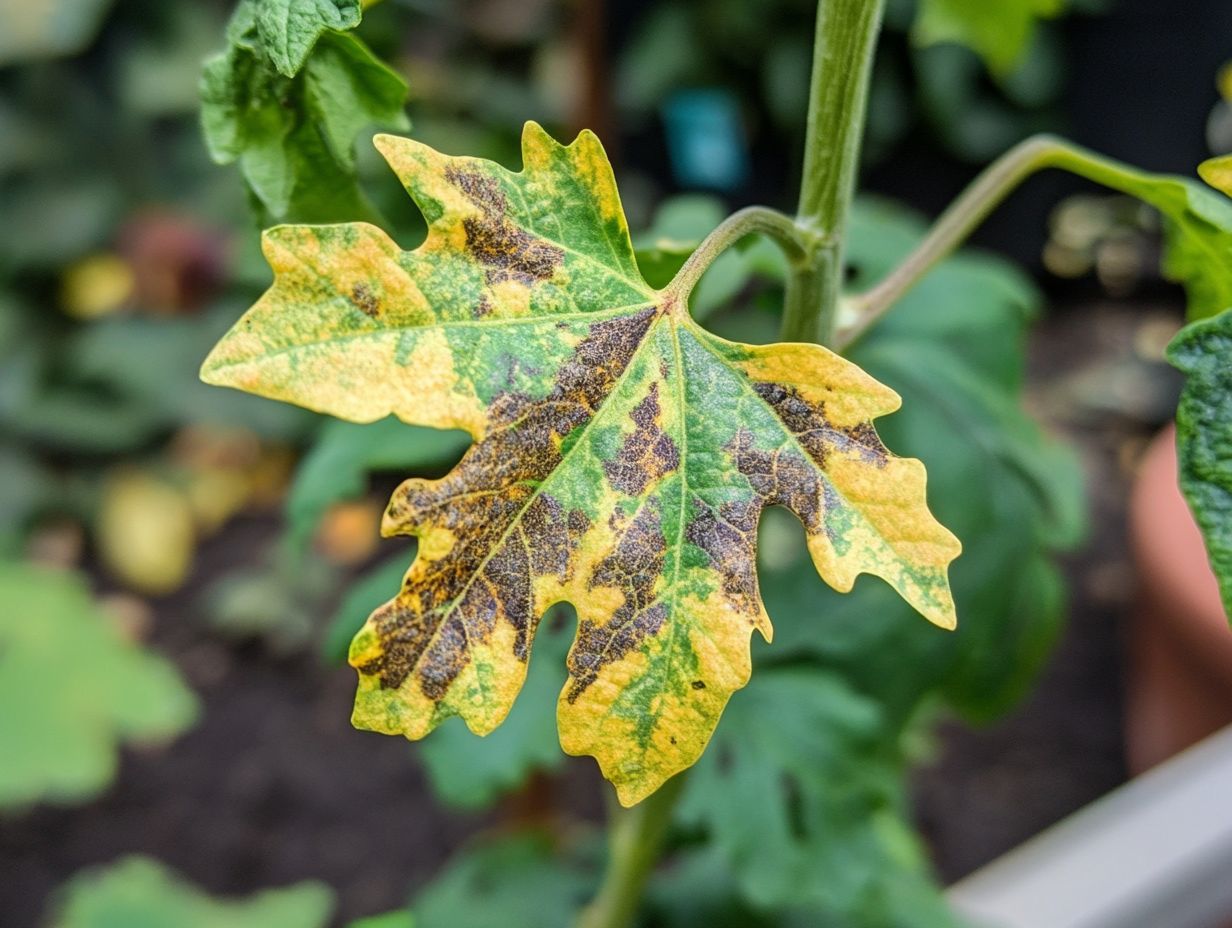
x=622, y=456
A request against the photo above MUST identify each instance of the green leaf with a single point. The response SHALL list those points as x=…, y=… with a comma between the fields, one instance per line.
x=1203, y=352
x=288, y=29
x=1000, y=32
x=33, y=29
x=513, y=882
x=343, y=456
x=808, y=811
x=72, y=689
x=137, y=892
x=622, y=456
x=294, y=136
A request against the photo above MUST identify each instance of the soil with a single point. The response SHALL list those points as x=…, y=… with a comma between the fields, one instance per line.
x=274, y=786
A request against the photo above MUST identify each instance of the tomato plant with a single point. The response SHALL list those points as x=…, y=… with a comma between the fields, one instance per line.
x=628, y=446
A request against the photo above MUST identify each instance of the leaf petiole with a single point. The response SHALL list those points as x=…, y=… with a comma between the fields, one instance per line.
x=778, y=227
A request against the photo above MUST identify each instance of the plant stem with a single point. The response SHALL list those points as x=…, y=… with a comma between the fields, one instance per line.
x=750, y=220
x=635, y=839
x=972, y=207
x=843, y=50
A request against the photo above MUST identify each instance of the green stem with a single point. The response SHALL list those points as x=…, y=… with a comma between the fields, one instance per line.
x=635, y=839
x=843, y=50
x=748, y=221
x=972, y=207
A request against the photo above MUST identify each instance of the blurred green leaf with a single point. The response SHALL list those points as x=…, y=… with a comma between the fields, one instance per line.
x=1000, y=32
x=1197, y=227
x=25, y=488
x=472, y=772
x=399, y=919
x=87, y=395
x=808, y=811
x=72, y=688
x=514, y=882
x=276, y=601
x=345, y=454
x=1203, y=352
x=47, y=28
x=294, y=136
x=138, y=892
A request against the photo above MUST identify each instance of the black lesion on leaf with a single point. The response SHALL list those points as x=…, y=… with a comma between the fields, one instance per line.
x=365, y=300
x=503, y=532
x=508, y=251
x=782, y=477
x=728, y=536
x=698, y=684
x=634, y=568
x=646, y=453
x=814, y=431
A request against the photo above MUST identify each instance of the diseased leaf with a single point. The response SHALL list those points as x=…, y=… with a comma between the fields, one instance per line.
x=288, y=29
x=136, y=892
x=1203, y=352
x=1000, y=32
x=62, y=745
x=622, y=456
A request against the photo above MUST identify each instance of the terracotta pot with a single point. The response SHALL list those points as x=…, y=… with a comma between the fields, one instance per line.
x=1179, y=660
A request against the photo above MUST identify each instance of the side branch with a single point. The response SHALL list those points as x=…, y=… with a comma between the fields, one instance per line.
x=972, y=207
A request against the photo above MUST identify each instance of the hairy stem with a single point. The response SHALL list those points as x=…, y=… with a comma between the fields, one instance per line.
x=748, y=221
x=972, y=207
x=843, y=50
x=635, y=840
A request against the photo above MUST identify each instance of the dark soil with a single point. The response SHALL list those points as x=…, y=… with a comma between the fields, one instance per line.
x=274, y=785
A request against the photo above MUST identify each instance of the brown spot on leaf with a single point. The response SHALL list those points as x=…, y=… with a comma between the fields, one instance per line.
x=813, y=430
x=647, y=452
x=508, y=251
x=728, y=535
x=363, y=299
x=504, y=530
x=633, y=567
